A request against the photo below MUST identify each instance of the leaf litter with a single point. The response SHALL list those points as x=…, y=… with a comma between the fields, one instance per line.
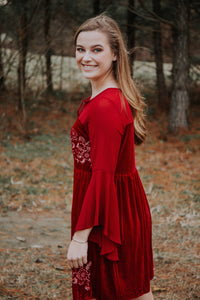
x=36, y=181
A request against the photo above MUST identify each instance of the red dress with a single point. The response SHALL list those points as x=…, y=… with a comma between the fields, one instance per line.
x=108, y=196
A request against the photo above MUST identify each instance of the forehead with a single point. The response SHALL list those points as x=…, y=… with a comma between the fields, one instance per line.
x=92, y=38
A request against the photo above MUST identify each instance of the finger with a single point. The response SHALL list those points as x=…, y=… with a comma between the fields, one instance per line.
x=75, y=263
x=85, y=259
x=70, y=263
x=80, y=262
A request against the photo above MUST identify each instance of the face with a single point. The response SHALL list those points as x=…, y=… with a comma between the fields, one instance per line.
x=94, y=55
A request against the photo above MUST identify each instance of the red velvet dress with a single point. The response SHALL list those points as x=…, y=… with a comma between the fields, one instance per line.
x=108, y=196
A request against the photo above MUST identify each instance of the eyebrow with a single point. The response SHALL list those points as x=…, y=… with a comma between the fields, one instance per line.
x=93, y=46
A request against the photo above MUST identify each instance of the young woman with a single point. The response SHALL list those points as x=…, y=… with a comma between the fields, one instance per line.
x=111, y=251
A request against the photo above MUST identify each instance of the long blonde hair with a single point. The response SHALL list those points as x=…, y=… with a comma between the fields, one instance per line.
x=121, y=69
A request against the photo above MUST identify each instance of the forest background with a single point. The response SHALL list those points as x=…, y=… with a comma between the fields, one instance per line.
x=40, y=91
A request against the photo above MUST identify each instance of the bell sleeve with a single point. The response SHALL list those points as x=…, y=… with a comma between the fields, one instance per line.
x=100, y=208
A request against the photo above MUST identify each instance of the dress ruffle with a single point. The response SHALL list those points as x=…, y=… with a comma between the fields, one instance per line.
x=101, y=199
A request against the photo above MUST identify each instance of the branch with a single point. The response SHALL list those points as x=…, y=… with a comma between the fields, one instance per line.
x=35, y=10
x=156, y=17
x=134, y=11
x=147, y=28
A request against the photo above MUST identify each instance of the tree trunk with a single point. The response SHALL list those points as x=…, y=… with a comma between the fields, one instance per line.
x=23, y=45
x=157, y=39
x=48, y=52
x=96, y=7
x=130, y=31
x=179, y=106
x=2, y=78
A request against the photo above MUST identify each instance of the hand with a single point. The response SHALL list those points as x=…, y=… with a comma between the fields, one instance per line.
x=77, y=254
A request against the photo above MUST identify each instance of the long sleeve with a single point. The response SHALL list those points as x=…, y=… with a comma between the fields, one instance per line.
x=100, y=207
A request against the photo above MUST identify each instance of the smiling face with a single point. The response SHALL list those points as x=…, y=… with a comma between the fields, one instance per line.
x=94, y=55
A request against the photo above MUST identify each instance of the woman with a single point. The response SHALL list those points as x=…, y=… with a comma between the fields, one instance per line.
x=110, y=252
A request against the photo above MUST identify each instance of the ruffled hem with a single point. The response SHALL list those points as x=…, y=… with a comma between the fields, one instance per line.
x=106, y=227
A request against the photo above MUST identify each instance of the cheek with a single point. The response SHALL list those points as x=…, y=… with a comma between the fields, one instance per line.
x=107, y=59
x=78, y=58
x=107, y=63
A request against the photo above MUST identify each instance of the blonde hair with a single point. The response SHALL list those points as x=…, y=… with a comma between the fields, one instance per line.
x=121, y=69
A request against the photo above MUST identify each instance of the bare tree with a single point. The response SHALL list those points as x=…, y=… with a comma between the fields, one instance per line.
x=96, y=7
x=179, y=105
x=157, y=39
x=48, y=52
x=2, y=24
x=178, y=117
x=22, y=45
x=130, y=31
x=2, y=78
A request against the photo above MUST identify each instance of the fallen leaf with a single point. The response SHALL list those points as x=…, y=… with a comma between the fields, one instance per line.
x=38, y=261
x=15, y=182
x=37, y=246
x=157, y=289
x=59, y=268
x=21, y=239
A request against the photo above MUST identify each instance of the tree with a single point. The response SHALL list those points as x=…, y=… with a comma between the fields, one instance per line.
x=130, y=31
x=22, y=14
x=157, y=39
x=2, y=78
x=96, y=7
x=47, y=19
x=22, y=46
x=179, y=106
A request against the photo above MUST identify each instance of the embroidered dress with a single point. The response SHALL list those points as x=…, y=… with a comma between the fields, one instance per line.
x=108, y=196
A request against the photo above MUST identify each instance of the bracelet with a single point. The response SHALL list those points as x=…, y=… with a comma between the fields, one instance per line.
x=80, y=242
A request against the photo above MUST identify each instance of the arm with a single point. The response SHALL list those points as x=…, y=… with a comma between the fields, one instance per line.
x=100, y=210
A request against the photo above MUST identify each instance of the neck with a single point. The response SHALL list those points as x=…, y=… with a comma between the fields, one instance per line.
x=100, y=85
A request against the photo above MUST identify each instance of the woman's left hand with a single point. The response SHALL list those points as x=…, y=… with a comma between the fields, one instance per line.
x=77, y=254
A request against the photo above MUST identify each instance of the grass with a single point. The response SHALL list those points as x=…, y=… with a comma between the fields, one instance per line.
x=42, y=146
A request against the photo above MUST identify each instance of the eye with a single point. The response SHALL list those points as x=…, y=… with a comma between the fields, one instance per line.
x=96, y=50
x=79, y=49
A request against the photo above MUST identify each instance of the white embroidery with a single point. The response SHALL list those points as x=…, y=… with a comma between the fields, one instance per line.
x=81, y=276
x=80, y=148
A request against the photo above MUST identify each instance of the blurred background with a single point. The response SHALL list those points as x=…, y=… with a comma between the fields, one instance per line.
x=40, y=92
x=37, y=50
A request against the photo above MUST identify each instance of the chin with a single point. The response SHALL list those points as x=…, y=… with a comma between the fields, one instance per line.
x=89, y=76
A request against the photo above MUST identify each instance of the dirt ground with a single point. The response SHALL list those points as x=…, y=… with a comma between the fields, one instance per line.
x=36, y=177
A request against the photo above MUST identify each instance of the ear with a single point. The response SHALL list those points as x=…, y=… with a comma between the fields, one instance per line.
x=114, y=57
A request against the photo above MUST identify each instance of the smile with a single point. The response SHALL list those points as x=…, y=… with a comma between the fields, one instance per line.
x=88, y=67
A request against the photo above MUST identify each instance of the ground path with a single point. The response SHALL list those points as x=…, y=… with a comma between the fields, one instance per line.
x=36, y=180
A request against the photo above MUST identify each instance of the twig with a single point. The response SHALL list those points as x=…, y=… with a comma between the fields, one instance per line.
x=156, y=17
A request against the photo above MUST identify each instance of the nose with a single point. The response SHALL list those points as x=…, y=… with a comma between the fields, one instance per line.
x=87, y=57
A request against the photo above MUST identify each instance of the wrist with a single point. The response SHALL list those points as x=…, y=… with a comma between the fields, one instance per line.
x=82, y=235
x=79, y=241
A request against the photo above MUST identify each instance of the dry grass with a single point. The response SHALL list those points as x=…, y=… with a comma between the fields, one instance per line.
x=36, y=169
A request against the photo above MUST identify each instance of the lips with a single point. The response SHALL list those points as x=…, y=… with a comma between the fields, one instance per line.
x=88, y=67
